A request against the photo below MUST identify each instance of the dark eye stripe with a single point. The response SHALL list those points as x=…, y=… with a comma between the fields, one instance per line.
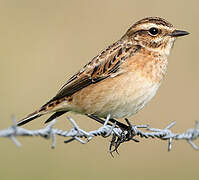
x=142, y=31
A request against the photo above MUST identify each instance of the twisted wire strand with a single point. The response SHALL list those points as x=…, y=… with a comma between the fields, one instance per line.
x=78, y=134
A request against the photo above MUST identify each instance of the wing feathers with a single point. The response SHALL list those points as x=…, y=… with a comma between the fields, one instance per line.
x=106, y=64
x=98, y=69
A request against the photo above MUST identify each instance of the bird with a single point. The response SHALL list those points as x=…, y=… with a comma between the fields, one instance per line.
x=121, y=79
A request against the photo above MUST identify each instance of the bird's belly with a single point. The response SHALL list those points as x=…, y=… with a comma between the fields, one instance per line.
x=120, y=96
x=130, y=105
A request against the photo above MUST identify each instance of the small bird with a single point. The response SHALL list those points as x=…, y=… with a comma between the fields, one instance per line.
x=121, y=79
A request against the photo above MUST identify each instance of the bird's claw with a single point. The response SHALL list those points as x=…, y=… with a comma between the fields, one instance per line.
x=126, y=135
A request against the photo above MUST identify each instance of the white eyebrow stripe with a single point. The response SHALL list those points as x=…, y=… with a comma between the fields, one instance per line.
x=150, y=25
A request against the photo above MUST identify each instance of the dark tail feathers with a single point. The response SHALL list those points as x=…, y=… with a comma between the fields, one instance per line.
x=29, y=118
x=55, y=115
x=37, y=114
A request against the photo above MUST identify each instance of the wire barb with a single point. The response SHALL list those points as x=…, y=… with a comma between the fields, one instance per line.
x=119, y=134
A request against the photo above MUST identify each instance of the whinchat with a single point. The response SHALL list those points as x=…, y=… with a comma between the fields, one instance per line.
x=121, y=79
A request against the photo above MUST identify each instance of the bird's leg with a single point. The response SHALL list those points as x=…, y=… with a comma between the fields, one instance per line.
x=130, y=132
x=119, y=124
x=101, y=121
x=126, y=135
x=115, y=141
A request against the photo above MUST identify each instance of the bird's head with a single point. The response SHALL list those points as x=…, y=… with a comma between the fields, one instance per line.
x=155, y=34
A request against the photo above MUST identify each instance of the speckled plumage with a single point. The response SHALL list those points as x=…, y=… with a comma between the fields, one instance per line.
x=121, y=79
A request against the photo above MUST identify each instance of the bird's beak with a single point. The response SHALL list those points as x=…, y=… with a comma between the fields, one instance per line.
x=177, y=33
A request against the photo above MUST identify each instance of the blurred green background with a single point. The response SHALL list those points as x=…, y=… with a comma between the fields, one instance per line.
x=42, y=43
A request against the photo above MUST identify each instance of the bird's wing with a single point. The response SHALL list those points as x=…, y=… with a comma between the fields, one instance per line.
x=105, y=65
x=99, y=68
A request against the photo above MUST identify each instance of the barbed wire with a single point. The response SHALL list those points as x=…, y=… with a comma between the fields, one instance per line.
x=119, y=135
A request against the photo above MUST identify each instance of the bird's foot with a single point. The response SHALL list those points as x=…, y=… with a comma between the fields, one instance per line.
x=128, y=133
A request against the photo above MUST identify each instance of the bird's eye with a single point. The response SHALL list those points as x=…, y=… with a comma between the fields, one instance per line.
x=153, y=31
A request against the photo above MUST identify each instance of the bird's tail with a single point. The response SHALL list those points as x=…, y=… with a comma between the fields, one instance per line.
x=39, y=113
x=49, y=107
x=29, y=118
